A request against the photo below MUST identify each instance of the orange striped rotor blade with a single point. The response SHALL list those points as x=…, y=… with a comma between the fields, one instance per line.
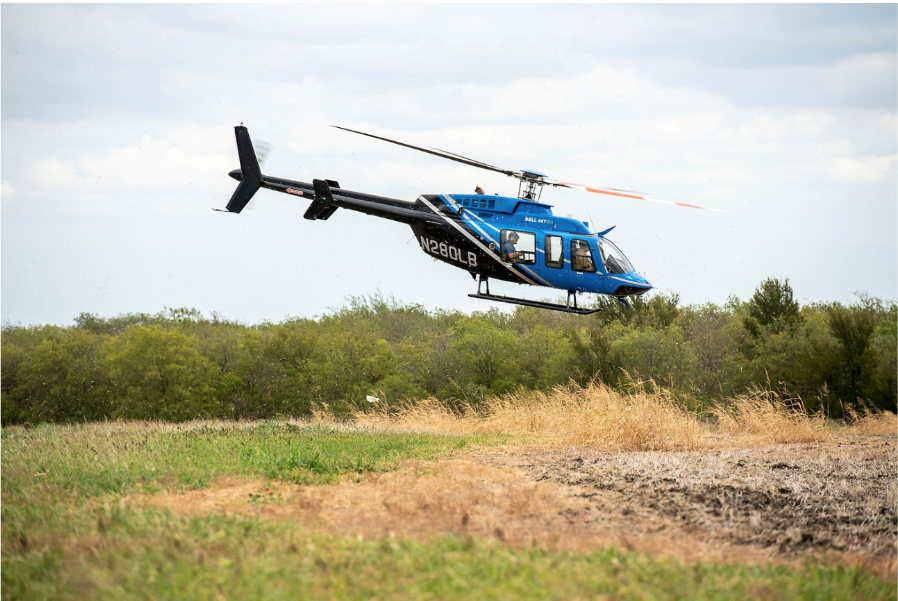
x=631, y=194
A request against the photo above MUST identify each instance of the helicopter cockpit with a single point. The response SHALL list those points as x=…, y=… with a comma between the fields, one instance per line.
x=613, y=258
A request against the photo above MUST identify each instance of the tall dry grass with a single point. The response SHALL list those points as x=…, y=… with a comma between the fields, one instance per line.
x=595, y=415
x=766, y=416
x=867, y=420
x=598, y=416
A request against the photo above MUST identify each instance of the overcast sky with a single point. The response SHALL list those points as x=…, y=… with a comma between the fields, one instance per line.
x=117, y=137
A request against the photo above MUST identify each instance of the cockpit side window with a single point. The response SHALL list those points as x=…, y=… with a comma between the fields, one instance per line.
x=614, y=259
x=581, y=256
x=518, y=246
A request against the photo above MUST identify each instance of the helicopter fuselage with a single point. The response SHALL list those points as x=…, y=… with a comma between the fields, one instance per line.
x=473, y=232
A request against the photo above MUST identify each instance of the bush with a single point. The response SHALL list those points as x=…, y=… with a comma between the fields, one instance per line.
x=179, y=365
x=159, y=374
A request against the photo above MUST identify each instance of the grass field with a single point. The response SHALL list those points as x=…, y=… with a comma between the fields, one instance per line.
x=218, y=510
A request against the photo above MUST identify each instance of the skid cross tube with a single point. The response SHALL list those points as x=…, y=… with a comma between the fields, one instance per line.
x=567, y=308
x=537, y=304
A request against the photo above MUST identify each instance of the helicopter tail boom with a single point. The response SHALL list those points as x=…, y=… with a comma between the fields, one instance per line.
x=251, y=173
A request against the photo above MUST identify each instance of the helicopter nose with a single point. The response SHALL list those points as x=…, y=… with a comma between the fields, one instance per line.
x=640, y=280
x=636, y=286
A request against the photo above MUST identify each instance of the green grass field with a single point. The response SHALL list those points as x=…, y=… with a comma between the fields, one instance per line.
x=70, y=531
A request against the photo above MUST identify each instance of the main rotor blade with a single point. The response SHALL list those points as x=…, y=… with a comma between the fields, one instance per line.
x=439, y=153
x=627, y=194
x=485, y=165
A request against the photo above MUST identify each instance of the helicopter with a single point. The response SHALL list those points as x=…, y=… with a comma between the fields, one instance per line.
x=516, y=239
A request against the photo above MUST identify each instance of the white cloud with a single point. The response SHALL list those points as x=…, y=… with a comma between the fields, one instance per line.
x=862, y=170
x=863, y=71
x=50, y=172
x=184, y=157
x=890, y=122
x=6, y=192
x=781, y=126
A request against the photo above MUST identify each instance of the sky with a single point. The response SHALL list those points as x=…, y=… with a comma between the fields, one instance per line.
x=116, y=125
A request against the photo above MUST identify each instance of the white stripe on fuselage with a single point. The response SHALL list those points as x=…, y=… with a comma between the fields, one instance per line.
x=487, y=236
x=477, y=242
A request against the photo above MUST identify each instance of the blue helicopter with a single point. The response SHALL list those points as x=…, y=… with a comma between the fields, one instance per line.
x=490, y=236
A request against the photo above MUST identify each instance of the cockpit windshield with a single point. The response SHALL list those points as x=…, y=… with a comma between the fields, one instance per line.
x=615, y=261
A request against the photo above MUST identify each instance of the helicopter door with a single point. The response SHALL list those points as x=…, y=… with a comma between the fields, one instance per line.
x=583, y=266
x=553, y=270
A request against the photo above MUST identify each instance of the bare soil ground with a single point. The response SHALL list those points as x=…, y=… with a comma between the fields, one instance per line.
x=783, y=501
x=834, y=500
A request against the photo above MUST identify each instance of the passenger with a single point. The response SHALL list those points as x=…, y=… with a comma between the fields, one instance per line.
x=582, y=258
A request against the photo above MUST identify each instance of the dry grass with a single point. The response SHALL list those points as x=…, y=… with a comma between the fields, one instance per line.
x=866, y=420
x=460, y=496
x=595, y=416
x=765, y=416
x=600, y=417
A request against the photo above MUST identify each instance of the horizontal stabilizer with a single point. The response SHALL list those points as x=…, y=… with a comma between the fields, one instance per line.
x=327, y=212
x=323, y=202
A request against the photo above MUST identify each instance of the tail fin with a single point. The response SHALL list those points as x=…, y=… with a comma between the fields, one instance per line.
x=249, y=166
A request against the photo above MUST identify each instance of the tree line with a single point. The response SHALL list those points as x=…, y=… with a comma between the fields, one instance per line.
x=179, y=364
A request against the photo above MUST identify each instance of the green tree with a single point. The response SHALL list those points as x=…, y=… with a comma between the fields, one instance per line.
x=647, y=310
x=714, y=335
x=663, y=355
x=353, y=360
x=253, y=384
x=593, y=355
x=160, y=374
x=853, y=328
x=64, y=379
x=883, y=388
x=802, y=362
x=15, y=354
x=485, y=355
x=773, y=307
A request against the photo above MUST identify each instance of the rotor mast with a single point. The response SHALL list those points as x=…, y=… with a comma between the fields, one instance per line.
x=530, y=184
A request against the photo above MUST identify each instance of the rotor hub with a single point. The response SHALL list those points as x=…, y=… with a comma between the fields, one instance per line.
x=531, y=184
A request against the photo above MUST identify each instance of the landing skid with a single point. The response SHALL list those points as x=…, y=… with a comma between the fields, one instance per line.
x=529, y=303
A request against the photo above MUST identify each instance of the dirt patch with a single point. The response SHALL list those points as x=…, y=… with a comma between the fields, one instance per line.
x=787, y=501
x=456, y=495
x=779, y=502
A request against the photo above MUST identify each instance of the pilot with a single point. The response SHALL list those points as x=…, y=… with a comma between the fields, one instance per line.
x=508, y=248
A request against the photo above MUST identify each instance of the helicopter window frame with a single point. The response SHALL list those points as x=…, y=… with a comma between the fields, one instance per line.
x=550, y=252
x=612, y=258
x=526, y=245
x=582, y=262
